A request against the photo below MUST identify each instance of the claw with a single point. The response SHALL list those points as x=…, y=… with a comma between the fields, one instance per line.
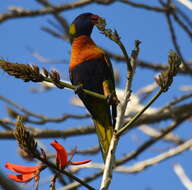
x=112, y=99
x=78, y=88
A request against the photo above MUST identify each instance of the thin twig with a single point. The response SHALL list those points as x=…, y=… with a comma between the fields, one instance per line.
x=140, y=166
x=92, y=150
x=182, y=176
x=174, y=41
x=170, y=153
x=182, y=24
x=155, y=133
x=144, y=6
x=175, y=101
x=53, y=133
x=57, y=16
x=151, y=141
x=186, y=3
x=129, y=124
x=86, y=179
x=147, y=64
x=42, y=119
x=184, y=16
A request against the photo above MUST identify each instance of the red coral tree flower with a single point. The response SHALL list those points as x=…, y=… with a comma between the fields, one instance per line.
x=27, y=173
x=62, y=156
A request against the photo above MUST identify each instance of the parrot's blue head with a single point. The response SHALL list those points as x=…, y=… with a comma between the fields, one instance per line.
x=83, y=25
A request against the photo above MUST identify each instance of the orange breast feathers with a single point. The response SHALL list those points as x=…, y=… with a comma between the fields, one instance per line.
x=84, y=49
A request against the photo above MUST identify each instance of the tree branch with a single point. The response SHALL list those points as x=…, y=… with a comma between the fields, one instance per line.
x=21, y=13
x=182, y=176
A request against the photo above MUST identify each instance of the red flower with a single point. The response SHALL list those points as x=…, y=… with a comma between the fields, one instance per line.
x=62, y=156
x=27, y=173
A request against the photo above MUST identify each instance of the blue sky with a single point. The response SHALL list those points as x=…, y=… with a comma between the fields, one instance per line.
x=18, y=35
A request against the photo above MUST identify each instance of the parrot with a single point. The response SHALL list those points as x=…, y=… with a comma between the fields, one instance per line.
x=90, y=68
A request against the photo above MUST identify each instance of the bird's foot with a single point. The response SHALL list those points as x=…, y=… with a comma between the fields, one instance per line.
x=112, y=99
x=79, y=89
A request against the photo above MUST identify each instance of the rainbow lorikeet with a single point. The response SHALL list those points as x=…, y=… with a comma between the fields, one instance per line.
x=91, y=68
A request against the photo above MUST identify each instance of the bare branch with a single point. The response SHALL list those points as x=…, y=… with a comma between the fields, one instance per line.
x=182, y=176
x=19, y=12
x=151, y=141
x=184, y=16
x=174, y=41
x=143, y=6
x=41, y=118
x=140, y=166
x=182, y=24
x=86, y=179
x=170, y=137
x=52, y=133
x=64, y=24
x=187, y=3
x=152, y=161
x=147, y=64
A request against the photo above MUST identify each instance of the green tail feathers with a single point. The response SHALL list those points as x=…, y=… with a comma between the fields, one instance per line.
x=104, y=131
x=101, y=115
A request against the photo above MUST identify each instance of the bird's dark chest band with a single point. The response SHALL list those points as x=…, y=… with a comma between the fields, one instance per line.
x=91, y=74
